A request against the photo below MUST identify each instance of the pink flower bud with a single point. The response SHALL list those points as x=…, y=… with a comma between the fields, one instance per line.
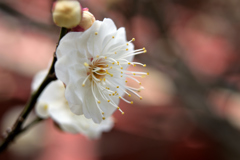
x=87, y=20
x=67, y=13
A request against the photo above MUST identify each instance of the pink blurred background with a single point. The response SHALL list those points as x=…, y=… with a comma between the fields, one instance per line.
x=158, y=127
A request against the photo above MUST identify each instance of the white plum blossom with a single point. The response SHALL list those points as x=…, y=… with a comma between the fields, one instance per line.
x=92, y=64
x=52, y=103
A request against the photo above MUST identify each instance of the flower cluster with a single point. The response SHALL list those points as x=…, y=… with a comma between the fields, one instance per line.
x=52, y=103
x=93, y=66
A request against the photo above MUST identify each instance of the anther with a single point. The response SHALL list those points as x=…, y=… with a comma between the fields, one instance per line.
x=140, y=98
x=86, y=64
x=121, y=67
x=122, y=113
x=129, y=63
x=113, y=37
x=111, y=67
x=117, y=86
x=108, y=100
x=131, y=102
x=105, y=57
x=144, y=65
x=129, y=95
x=96, y=33
x=126, y=81
x=127, y=49
x=127, y=44
x=133, y=39
x=99, y=102
x=103, y=118
x=83, y=85
x=145, y=51
x=97, y=56
x=119, y=97
x=45, y=107
x=115, y=52
x=102, y=113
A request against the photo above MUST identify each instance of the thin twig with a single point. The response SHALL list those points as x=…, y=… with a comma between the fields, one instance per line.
x=17, y=127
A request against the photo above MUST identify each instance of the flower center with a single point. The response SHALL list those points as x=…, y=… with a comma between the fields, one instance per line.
x=107, y=72
x=97, y=70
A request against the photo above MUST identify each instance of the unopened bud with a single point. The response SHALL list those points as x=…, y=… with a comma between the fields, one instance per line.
x=87, y=20
x=67, y=13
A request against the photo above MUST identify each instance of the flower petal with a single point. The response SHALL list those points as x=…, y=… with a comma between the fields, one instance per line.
x=42, y=110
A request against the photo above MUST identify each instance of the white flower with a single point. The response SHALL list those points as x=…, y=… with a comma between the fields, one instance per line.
x=92, y=64
x=52, y=103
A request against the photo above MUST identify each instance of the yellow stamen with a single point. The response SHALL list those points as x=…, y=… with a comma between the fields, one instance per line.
x=96, y=33
x=45, y=107
x=86, y=64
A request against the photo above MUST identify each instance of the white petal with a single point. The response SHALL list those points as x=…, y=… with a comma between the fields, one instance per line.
x=41, y=109
x=120, y=39
x=62, y=66
x=92, y=43
x=52, y=93
x=75, y=103
x=61, y=114
x=90, y=108
x=107, y=28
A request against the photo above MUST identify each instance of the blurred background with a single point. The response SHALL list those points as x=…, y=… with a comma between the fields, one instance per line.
x=191, y=102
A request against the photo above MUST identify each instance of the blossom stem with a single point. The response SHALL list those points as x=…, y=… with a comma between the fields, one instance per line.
x=17, y=127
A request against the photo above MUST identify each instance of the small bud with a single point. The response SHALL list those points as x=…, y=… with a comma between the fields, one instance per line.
x=87, y=20
x=67, y=13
